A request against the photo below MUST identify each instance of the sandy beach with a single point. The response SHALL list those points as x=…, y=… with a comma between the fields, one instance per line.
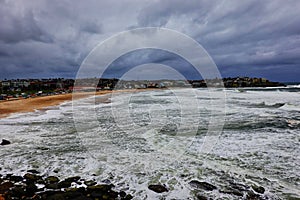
x=32, y=104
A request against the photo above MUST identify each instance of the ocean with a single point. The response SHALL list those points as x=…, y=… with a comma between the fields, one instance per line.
x=230, y=138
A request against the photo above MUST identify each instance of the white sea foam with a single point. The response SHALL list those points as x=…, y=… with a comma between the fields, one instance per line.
x=156, y=137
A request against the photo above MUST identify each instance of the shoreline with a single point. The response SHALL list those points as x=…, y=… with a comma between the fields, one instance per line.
x=8, y=108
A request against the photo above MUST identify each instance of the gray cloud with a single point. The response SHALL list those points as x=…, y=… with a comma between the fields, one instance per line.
x=51, y=38
x=18, y=26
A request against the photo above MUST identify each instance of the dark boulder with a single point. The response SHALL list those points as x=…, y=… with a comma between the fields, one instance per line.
x=158, y=188
x=5, y=187
x=5, y=142
x=33, y=171
x=52, y=186
x=17, y=192
x=258, y=189
x=32, y=177
x=64, y=184
x=72, y=179
x=16, y=178
x=51, y=179
x=31, y=189
x=127, y=197
x=252, y=196
x=202, y=185
x=90, y=183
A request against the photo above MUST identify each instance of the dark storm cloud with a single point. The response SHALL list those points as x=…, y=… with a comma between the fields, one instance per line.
x=52, y=38
x=18, y=27
x=139, y=57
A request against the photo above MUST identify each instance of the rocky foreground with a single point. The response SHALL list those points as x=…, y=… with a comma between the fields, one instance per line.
x=34, y=186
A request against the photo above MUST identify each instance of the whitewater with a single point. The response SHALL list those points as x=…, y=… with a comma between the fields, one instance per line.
x=157, y=136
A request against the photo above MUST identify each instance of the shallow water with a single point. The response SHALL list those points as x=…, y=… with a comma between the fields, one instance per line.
x=157, y=137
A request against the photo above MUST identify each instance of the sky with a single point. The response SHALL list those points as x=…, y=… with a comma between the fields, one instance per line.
x=40, y=38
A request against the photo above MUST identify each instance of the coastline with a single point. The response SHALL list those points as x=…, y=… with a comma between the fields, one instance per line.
x=31, y=104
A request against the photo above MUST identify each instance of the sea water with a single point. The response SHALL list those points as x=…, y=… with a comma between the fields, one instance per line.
x=157, y=137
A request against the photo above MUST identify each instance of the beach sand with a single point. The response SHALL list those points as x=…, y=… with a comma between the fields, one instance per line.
x=31, y=104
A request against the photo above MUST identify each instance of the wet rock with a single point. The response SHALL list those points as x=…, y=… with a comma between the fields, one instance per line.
x=232, y=191
x=53, y=195
x=122, y=194
x=201, y=197
x=72, y=179
x=90, y=183
x=32, y=177
x=33, y=171
x=238, y=186
x=127, y=197
x=5, y=187
x=64, y=184
x=158, y=188
x=252, y=196
x=18, y=192
x=5, y=142
x=258, y=189
x=104, y=195
x=51, y=179
x=80, y=189
x=16, y=178
x=53, y=189
x=202, y=185
x=31, y=189
x=99, y=188
x=72, y=194
x=52, y=186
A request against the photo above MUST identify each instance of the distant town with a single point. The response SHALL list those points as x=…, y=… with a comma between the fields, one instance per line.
x=29, y=88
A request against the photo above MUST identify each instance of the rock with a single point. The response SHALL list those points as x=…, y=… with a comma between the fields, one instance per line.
x=202, y=185
x=122, y=194
x=238, y=186
x=72, y=194
x=127, y=197
x=16, y=178
x=32, y=177
x=258, y=189
x=252, y=196
x=72, y=179
x=5, y=187
x=52, y=186
x=51, y=179
x=33, y=171
x=67, y=182
x=99, y=188
x=80, y=189
x=18, y=192
x=158, y=188
x=5, y=142
x=57, y=195
x=64, y=184
x=232, y=191
x=31, y=189
x=90, y=183
x=55, y=190
x=201, y=197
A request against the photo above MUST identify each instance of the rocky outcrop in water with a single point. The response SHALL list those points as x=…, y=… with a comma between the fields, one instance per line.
x=202, y=185
x=36, y=187
x=158, y=188
x=5, y=142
